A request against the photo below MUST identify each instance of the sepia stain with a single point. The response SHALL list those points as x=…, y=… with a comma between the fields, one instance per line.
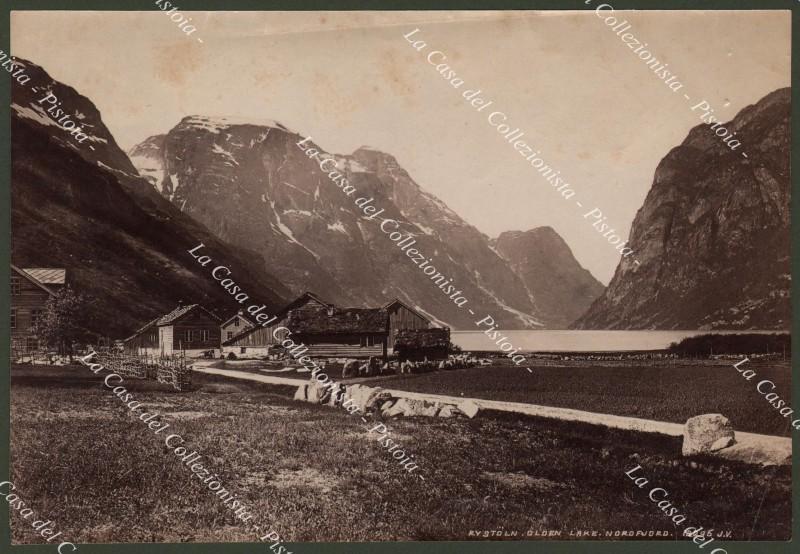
x=395, y=73
x=174, y=63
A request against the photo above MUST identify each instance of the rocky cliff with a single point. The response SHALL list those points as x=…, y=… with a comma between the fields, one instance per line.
x=253, y=186
x=713, y=234
x=562, y=289
x=82, y=206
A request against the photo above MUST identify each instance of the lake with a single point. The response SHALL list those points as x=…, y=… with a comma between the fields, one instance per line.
x=581, y=341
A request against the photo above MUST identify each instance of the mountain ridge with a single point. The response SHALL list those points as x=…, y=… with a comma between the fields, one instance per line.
x=291, y=213
x=713, y=233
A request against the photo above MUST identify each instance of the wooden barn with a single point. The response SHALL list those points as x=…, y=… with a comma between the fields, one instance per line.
x=418, y=344
x=190, y=329
x=401, y=316
x=235, y=325
x=341, y=332
x=30, y=290
x=258, y=340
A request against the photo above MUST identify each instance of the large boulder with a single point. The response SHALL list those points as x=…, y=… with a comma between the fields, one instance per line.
x=413, y=408
x=707, y=433
x=386, y=406
x=337, y=395
x=350, y=369
x=317, y=393
x=469, y=408
x=301, y=393
x=365, y=398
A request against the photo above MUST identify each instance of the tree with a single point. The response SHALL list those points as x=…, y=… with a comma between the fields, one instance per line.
x=58, y=326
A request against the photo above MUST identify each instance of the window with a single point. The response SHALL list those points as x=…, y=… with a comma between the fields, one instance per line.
x=230, y=335
x=187, y=336
x=204, y=334
x=16, y=285
x=31, y=343
x=236, y=322
x=35, y=315
x=13, y=318
x=243, y=350
x=367, y=340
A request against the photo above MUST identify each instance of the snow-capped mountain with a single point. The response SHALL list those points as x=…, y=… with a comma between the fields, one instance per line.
x=81, y=206
x=253, y=186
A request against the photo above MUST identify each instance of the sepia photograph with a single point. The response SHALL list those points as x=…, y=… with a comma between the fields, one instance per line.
x=287, y=277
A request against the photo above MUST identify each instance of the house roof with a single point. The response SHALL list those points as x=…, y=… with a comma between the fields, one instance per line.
x=339, y=321
x=422, y=338
x=296, y=303
x=302, y=299
x=32, y=279
x=406, y=306
x=234, y=316
x=170, y=318
x=47, y=275
x=179, y=312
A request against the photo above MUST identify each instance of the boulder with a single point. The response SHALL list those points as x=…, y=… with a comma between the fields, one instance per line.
x=723, y=442
x=448, y=411
x=398, y=409
x=302, y=393
x=702, y=433
x=417, y=408
x=337, y=394
x=350, y=369
x=386, y=406
x=316, y=393
x=375, y=399
x=469, y=408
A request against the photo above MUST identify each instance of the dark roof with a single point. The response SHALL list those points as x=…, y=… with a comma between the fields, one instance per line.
x=171, y=318
x=422, y=338
x=300, y=300
x=281, y=314
x=181, y=311
x=32, y=279
x=407, y=307
x=339, y=321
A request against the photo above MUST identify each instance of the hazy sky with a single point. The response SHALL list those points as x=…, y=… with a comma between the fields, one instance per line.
x=596, y=111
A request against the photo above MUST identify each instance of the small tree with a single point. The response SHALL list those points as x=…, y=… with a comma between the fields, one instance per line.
x=58, y=324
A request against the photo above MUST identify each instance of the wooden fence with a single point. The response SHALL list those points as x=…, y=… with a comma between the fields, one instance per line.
x=171, y=370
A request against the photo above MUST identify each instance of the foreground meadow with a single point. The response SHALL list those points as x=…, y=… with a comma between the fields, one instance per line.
x=670, y=391
x=79, y=458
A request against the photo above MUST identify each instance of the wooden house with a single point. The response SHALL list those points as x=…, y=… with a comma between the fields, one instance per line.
x=257, y=340
x=30, y=289
x=418, y=344
x=401, y=316
x=190, y=329
x=341, y=332
x=235, y=325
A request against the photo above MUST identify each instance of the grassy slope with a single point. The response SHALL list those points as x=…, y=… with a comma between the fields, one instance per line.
x=663, y=393
x=79, y=459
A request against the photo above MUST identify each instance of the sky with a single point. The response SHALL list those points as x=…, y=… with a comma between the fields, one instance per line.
x=595, y=110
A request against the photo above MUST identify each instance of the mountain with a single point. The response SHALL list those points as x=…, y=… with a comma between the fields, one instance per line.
x=712, y=237
x=562, y=288
x=253, y=186
x=81, y=205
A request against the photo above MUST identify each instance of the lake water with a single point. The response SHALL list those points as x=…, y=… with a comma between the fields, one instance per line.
x=580, y=341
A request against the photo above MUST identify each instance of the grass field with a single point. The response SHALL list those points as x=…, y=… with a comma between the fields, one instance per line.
x=663, y=392
x=80, y=459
